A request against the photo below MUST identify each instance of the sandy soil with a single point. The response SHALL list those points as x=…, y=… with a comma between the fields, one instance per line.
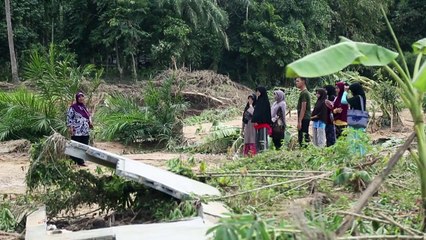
x=13, y=166
x=14, y=157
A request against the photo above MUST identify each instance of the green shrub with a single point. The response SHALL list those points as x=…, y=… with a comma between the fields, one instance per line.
x=250, y=226
x=24, y=114
x=8, y=221
x=125, y=120
x=220, y=139
x=182, y=167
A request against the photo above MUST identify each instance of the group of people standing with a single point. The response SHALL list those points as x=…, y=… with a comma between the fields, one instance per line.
x=329, y=115
x=260, y=120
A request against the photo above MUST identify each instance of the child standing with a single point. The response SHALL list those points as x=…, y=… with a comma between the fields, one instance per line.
x=248, y=130
x=319, y=118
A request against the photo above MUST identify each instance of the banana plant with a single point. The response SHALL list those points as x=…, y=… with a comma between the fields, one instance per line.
x=411, y=84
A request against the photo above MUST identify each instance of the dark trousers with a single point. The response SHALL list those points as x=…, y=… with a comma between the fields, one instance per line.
x=80, y=139
x=303, y=133
x=277, y=137
x=339, y=131
x=262, y=139
x=330, y=134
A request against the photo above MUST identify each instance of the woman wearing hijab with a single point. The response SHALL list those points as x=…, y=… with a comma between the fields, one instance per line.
x=358, y=97
x=262, y=119
x=79, y=123
x=278, y=118
x=330, y=131
x=340, y=110
x=248, y=130
x=319, y=118
x=358, y=101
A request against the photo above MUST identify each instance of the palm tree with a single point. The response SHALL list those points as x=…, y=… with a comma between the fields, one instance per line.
x=201, y=12
x=13, y=63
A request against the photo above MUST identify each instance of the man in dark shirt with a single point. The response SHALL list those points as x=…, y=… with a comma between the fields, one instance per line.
x=303, y=112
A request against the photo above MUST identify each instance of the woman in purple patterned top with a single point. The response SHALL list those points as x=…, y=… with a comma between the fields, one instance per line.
x=79, y=123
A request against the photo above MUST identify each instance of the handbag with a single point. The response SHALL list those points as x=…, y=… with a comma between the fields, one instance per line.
x=358, y=118
x=278, y=126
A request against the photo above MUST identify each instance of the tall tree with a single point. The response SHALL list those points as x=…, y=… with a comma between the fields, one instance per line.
x=13, y=62
x=201, y=13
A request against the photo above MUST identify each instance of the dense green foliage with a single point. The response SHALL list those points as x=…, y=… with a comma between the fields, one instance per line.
x=157, y=119
x=250, y=40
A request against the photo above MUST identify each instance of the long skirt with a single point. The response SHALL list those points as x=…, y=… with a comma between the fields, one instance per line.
x=319, y=138
x=330, y=134
x=249, y=149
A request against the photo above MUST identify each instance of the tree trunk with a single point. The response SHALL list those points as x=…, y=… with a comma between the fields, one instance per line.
x=134, y=70
x=13, y=62
x=120, y=69
x=247, y=12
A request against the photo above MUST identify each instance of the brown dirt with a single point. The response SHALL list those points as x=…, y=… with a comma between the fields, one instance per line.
x=202, y=89
x=14, y=162
x=5, y=86
x=210, y=84
x=196, y=133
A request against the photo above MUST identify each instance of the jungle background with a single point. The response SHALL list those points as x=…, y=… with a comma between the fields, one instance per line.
x=166, y=82
x=250, y=41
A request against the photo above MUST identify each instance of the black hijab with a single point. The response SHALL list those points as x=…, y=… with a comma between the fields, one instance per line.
x=331, y=92
x=320, y=109
x=262, y=110
x=358, y=90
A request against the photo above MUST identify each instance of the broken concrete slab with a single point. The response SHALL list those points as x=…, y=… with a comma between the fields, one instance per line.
x=36, y=225
x=190, y=229
x=170, y=183
x=91, y=154
x=215, y=209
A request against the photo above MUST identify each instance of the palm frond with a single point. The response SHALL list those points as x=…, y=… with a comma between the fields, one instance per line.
x=124, y=119
x=27, y=115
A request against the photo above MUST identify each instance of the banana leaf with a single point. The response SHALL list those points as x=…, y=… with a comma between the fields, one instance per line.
x=337, y=57
x=419, y=79
x=420, y=46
